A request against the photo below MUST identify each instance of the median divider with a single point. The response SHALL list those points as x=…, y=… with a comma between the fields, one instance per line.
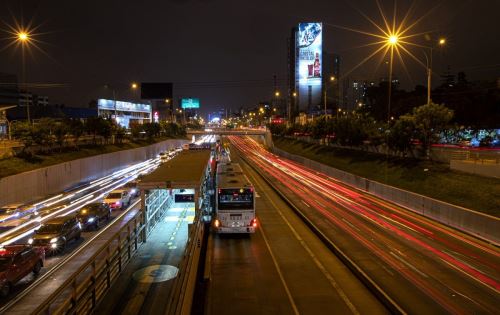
x=379, y=293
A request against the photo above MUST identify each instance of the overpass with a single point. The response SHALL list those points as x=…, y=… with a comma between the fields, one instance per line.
x=228, y=132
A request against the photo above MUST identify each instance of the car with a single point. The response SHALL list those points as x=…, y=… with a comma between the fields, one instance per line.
x=133, y=188
x=16, y=262
x=93, y=214
x=118, y=199
x=10, y=211
x=163, y=157
x=54, y=234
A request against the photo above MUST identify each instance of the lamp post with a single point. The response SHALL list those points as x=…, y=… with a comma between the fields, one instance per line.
x=392, y=40
x=24, y=38
x=428, y=60
x=332, y=78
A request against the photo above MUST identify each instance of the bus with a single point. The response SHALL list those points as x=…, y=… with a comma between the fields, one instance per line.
x=235, y=201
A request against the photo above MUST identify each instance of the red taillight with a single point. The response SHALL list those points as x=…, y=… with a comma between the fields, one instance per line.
x=216, y=223
x=253, y=223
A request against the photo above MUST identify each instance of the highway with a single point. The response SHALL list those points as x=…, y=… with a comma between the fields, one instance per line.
x=19, y=230
x=425, y=267
x=281, y=269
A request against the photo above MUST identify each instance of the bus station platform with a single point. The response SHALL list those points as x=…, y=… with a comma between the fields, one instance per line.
x=145, y=282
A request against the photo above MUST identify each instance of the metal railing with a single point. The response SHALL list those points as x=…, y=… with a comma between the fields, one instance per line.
x=80, y=293
x=181, y=296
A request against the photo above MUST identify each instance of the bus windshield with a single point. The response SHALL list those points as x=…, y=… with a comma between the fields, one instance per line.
x=235, y=199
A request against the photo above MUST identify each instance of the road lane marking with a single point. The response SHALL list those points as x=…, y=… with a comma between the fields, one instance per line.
x=320, y=266
x=276, y=265
x=409, y=265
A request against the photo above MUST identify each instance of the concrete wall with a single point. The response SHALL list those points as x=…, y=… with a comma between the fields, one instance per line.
x=489, y=168
x=29, y=186
x=472, y=222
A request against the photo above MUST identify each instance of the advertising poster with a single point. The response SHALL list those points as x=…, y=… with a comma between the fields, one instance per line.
x=309, y=54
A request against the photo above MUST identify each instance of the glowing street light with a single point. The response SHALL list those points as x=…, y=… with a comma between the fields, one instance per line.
x=134, y=85
x=23, y=36
x=277, y=93
x=393, y=39
x=442, y=41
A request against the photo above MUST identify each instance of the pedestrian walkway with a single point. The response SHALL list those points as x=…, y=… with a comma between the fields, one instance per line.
x=144, y=286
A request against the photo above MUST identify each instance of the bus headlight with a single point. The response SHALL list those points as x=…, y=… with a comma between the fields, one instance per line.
x=30, y=241
x=54, y=240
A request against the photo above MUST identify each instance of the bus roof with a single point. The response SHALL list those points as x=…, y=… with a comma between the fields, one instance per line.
x=229, y=168
x=233, y=180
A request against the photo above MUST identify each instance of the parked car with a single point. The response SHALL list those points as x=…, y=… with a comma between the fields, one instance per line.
x=118, y=199
x=55, y=233
x=16, y=262
x=133, y=188
x=93, y=214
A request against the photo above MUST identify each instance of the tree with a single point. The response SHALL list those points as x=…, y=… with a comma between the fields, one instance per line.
x=92, y=126
x=401, y=134
x=60, y=131
x=76, y=129
x=42, y=133
x=105, y=129
x=135, y=129
x=152, y=130
x=430, y=120
x=23, y=131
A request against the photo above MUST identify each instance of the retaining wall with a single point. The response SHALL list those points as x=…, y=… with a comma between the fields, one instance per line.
x=32, y=185
x=481, y=225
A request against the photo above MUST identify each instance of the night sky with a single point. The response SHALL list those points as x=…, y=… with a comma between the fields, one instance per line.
x=227, y=51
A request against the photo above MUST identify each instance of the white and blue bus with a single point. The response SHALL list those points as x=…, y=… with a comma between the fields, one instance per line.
x=235, y=201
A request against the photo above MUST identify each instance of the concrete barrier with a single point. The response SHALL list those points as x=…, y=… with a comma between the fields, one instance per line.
x=29, y=186
x=475, y=223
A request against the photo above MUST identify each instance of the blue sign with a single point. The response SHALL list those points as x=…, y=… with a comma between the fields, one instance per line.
x=190, y=103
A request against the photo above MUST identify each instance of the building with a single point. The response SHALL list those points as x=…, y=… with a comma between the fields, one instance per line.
x=125, y=113
x=9, y=93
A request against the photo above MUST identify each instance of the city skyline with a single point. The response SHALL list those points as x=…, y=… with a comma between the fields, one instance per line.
x=224, y=53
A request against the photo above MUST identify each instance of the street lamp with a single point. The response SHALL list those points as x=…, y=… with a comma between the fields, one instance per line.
x=441, y=42
x=332, y=78
x=392, y=41
x=24, y=38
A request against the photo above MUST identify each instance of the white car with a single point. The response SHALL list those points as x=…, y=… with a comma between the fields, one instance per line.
x=118, y=199
x=164, y=157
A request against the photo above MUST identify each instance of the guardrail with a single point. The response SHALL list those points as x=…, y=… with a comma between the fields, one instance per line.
x=80, y=293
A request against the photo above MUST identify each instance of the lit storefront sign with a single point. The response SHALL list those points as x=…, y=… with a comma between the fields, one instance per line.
x=123, y=106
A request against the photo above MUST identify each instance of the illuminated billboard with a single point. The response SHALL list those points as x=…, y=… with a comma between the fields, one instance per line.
x=190, y=103
x=123, y=106
x=309, y=45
